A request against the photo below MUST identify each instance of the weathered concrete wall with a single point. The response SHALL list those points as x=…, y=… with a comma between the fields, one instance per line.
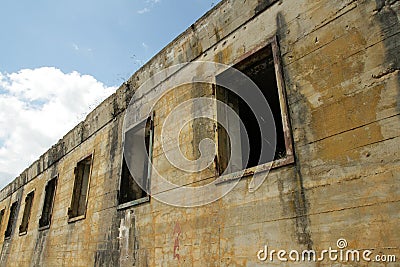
x=341, y=69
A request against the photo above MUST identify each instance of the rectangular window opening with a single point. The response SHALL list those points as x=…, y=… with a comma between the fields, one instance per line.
x=260, y=67
x=135, y=174
x=11, y=219
x=50, y=190
x=23, y=228
x=81, y=188
x=1, y=216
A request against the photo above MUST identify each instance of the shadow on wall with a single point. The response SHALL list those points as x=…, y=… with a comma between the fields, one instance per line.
x=299, y=198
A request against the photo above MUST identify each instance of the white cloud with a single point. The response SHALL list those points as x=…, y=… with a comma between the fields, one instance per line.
x=144, y=10
x=150, y=4
x=80, y=49
x=75, y=46
x=37, y=108
x=145, y=46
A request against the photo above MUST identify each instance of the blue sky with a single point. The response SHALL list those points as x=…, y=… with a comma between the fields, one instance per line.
x=106, y=39
x=59, y=59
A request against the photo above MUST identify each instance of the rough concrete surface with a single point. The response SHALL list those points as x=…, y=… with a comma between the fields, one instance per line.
x=340, y=67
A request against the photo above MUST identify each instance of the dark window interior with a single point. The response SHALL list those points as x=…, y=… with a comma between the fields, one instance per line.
x=11, y=219
x=259, y=67
x=81, y=186
x=138, y=156
x=27, y=212
x=1, y=216
x=50, y=191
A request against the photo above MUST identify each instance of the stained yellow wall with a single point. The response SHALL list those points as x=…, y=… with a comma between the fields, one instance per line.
x=341, y=73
